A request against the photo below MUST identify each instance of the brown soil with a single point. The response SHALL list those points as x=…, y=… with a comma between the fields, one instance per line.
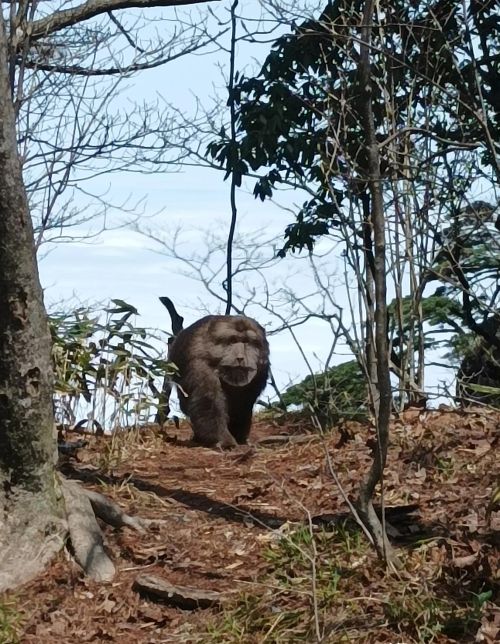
x=223, y=513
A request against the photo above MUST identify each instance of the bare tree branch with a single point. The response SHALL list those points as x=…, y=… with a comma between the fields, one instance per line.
x=92, y=8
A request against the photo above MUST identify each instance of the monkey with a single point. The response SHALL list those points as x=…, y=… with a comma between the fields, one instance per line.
x=223, y=365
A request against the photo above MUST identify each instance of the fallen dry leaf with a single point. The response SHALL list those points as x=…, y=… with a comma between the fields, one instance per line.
x=222, y=517
x=462, y=562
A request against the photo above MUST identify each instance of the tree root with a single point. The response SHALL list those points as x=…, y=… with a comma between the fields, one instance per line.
x=34, y=529
x=82, y=508
x=31, y=534
x=113, y=515
x=185, y=597
x=85, y=534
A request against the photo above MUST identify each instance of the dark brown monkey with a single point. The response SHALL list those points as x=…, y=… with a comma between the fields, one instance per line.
x=223, y=364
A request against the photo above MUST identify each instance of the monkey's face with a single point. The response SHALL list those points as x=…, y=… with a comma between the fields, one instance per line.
x=237, y=349
x=239, y=364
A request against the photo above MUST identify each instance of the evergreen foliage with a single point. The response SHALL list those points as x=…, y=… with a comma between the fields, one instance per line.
x=338, y=393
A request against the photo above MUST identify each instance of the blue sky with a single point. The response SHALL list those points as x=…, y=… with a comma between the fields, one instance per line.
x=121, y=263
x=125, y=264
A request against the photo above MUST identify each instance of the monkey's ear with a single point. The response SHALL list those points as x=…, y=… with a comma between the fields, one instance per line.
x=177, y=320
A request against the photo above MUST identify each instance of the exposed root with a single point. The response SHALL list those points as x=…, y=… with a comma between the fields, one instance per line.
x=31, y=534
x=185, y=597
x=113, y=515
x=82, y=508
x=86, y=537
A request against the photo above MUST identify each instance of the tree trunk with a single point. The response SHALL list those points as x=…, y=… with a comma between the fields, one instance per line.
x=384, y=393
x=32, y=524
x=370, y=347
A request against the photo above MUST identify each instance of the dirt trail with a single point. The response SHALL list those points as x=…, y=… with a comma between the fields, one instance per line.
x=221, y=511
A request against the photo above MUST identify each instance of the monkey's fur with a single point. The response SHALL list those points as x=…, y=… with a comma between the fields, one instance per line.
x=223, y=363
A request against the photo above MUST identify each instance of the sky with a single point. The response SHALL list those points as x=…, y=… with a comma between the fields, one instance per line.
x=124, y=263
x=127, y=265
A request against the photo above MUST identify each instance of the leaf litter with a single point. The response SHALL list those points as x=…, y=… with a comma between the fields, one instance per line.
x=266, y=527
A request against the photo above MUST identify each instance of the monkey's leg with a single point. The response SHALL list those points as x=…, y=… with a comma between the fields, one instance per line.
x=206, y=406
x=240, y=428
x=240, y=415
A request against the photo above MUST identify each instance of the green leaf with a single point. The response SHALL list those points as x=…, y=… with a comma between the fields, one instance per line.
x=122, y=307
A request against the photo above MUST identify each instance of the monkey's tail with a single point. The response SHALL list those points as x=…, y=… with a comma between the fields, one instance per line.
x=177, y=320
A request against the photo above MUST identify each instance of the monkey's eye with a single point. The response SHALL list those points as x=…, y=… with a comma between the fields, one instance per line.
x=229, y=339
x=225, y=339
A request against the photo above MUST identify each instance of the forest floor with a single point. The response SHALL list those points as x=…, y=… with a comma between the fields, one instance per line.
x=266, y=526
